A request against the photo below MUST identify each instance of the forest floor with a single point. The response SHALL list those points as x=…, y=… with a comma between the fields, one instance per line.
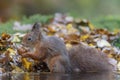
x=102, y=34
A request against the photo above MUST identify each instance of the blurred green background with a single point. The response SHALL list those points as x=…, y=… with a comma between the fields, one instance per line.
x=102, y=13
x=82, y=8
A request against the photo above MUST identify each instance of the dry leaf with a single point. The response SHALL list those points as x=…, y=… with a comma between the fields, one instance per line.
x=27, y=64
x=103, y=43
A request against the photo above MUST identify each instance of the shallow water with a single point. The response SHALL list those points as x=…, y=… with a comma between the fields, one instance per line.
x=59, y=76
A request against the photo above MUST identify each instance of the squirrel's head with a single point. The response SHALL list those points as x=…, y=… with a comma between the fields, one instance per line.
x=32, y=38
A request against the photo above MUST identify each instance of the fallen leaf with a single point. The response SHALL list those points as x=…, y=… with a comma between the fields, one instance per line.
x=27, y=64
x=103, y=43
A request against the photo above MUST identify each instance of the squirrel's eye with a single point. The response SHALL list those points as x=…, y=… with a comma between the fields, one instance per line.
x=29, y=39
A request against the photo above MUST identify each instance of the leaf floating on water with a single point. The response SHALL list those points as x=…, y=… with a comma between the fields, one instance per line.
x=27, y=76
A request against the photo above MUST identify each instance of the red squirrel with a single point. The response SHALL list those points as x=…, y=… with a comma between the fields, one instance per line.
x=53, y=52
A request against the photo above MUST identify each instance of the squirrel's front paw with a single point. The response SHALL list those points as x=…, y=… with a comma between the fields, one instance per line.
x=21, y=51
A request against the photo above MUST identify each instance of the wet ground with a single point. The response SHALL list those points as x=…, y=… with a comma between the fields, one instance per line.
x=59, y=76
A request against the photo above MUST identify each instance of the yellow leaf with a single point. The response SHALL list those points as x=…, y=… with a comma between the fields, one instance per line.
x=116, y=31
x=69, y=26
x=91, y=26
x=16, y=69
x=1, y=45
x=110, y=56
x=27, y=76
x=50, y=34
x=92, y=45
x=27, y=64
x=84, y=37
x=12, y=51
x=71, y=29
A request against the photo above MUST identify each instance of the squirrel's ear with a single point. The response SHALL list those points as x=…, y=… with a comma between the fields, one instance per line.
x=37, y=31
x=36, y=27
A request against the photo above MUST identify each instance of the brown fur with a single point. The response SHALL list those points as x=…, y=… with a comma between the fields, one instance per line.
x=52, y=50
x=88, y=59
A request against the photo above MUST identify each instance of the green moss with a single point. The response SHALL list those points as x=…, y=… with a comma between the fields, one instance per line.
x=108, y=22
x=6, y=27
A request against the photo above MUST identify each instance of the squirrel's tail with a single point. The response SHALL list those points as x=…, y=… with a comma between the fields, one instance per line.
x=88, y=59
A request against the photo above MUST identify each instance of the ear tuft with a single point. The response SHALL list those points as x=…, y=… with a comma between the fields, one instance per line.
x=36, y=27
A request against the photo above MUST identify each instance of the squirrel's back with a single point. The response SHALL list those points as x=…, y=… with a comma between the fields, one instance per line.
x=88, y=59
x=55, y=45
x=82, y=58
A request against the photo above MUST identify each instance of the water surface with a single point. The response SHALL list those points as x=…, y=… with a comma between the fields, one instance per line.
x=59, y=76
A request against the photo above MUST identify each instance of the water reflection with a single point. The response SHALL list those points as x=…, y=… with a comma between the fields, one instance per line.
x=57, y=76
